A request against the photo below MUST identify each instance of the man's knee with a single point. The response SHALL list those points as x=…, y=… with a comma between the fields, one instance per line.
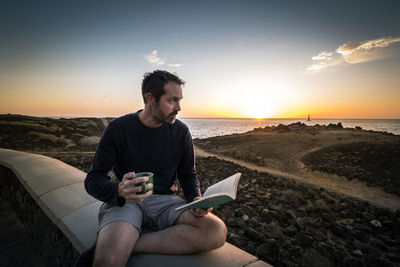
x=115, y=242
x=108, y=259
x=221, y=232
x=215, y=232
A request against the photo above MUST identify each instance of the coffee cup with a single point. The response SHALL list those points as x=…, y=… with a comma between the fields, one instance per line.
x=144, y=184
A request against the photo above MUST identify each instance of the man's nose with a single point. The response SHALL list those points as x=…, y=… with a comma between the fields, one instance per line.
x=178, y=106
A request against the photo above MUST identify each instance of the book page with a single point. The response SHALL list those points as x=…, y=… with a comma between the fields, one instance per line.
x=227, y=186
x=217, y=194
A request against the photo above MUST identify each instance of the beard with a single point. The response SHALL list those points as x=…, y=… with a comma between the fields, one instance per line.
x=160, y=117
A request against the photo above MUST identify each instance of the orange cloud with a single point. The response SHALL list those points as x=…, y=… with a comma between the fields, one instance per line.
x=356, y=52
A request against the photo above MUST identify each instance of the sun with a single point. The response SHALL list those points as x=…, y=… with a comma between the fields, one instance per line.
x=261, y=98
x=259, y=104
x=258, y=111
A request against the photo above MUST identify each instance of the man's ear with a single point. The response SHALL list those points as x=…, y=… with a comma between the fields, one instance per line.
x=149, y=98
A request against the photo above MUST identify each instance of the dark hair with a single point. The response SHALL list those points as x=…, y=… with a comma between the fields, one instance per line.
x=154, y=82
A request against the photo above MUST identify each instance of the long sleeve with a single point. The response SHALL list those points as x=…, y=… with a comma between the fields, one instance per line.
x=186, y=171
x=97, y=182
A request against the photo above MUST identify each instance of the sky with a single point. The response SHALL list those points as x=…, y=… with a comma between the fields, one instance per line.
x=257, y=59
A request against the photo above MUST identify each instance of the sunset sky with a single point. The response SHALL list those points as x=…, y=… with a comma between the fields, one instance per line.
x=282, y=59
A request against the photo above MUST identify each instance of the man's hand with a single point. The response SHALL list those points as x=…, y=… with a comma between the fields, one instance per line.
x=199, y=212
x=127, y=188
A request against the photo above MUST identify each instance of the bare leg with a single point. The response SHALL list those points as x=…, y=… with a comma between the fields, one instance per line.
x=190, y=234
x=114, y=244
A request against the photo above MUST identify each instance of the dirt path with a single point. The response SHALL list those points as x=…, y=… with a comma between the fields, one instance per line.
x=334, y=183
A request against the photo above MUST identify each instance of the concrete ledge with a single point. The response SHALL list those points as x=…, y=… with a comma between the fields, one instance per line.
x=58, y=189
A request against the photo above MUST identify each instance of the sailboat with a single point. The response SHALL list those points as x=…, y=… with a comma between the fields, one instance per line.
x=308, y=119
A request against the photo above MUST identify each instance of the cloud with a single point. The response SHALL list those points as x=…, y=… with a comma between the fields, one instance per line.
x=154, y=58
x=356, y=52
x=175, y=65
x=322, y=56
x=324, y=60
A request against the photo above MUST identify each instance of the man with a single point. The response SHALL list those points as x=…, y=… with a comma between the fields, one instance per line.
x=150, y=140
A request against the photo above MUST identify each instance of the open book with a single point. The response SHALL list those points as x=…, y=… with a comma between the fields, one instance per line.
x=217, y=194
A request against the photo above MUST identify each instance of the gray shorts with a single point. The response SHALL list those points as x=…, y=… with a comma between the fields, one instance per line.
x=156, y=212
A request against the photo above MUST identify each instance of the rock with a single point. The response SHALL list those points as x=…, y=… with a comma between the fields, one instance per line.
x=274, y=207
x=266, y=216
x=339, y=231
x=239, y=212
x=321, y=205
x=254, y=221
x=228, y=212
x=290, y=230
x=310, y=207
x=387, y=240
x=340, y=255
x=248, y=196
x=357, y=253
x=318, y=235
x=363, y=228
x=287, y=217
x=303, y=240
x=273, y=233
x=373, y=261
x=269, y=251
x=356, y=262
x=291, y=214
x=300, y=223
x=376, y=223
x=373, y=251
x=237, y=240
x=361, y=236
x=377, y=243
x=312, y=258
x=290, y=196
x=328, y=217
x=235, y=222
x=253, y=235
x=388, y=224
x=393, y=257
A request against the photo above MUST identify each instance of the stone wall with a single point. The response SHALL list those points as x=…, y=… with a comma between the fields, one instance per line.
x=55, y=249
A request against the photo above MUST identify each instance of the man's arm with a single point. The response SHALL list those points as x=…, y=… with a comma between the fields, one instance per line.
x=187, y=175
x=97, y=182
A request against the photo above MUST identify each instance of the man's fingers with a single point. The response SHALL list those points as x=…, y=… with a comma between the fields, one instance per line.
x=136, y=182
x=128, y=175
x=138, y=198
x=130, y=187
x=148, y=193
x=198, y=212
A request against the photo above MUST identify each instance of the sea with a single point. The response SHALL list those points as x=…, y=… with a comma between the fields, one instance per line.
x=204, y=128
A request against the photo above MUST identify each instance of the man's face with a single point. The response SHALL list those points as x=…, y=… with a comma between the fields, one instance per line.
x=169, y=104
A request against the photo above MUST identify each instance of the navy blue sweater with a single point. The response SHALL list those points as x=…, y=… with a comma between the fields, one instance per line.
x=128, y=145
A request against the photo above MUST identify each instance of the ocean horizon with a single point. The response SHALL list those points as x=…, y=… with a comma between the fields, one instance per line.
x=210, y=127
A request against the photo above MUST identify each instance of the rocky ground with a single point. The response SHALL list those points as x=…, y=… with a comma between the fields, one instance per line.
x=47, y=134
x=375, y=163
x=282, y=221
x=368, y=156
x=288, y=223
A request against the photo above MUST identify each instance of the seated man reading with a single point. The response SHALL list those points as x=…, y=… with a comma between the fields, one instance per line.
x=149, y=140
